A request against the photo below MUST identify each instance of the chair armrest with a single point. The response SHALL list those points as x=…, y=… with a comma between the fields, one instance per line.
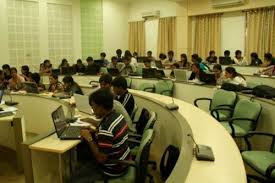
x=164, y=91
x=225, y=105
x=269, y=170
x=199, y=99
x=251, y=134
x=122, y=162
x=216, y=111
x=231, y=121
x=149, y=88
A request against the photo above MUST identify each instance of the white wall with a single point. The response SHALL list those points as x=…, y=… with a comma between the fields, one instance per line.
x=115, y=26
x=232, y=32
x=151, y=38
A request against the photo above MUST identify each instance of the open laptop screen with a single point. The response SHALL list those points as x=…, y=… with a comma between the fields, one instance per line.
x=59, y=121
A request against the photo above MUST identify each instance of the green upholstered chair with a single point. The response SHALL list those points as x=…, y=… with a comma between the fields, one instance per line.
x=263, y=162
x=134, y=112
x=221, y=98
x=137, y=171
x=164, y=87
x=244, y=120
x=149, y=87
x=252, y=84
x=139, y=70
x=129, y=82
x=103, y=70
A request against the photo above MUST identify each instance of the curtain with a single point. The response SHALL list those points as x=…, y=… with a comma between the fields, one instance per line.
x=167, y=35
x=137, y=37
x=260, y=38
x=207, y=34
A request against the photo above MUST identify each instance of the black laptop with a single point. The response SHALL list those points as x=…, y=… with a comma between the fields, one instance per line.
x=63, y=129
x=159, y=64
x=68, y=70
x=113, y=71
x=149, y=73
x=30, y=87
x=225, y=60
x=92, y=70
x=99, y=62
x=56, y=71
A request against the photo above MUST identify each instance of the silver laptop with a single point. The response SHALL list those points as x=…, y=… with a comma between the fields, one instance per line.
x=82, y=103
x=180, y=75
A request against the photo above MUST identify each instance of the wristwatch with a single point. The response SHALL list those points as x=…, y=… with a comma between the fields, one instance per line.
x=90, y=139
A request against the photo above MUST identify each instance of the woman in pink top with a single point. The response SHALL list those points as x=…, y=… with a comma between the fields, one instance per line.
x=16, y=80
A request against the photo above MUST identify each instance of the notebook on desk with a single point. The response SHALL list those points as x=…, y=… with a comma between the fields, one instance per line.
x=63, y=129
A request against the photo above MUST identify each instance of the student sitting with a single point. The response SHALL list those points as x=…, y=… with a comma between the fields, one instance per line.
x=105, y=81
x=55, y=85
x=147, y=64
x=108, y=143
x=238, y=59
x=103, y=58
x=119, y=55
x=71, y=87
x=183, y=63
x=113, y=64
x=35, y=77
x=7, y=72
x=16, y=80
x=64, y=63
x=170, y=61
x=174, y=66
x=128, y=67
x=255, y=60
x=92, y=65
x=197, y=59
x=212, y=57
x=122, y=95
x=226, y=54
x=135, y=54
x=150, y=57
x=268, y=60
x=220, y=78
x=46, y=67
x=197, y=73
x=25, y=72
x=233, y=77
x=3, y=84
x=79, y=66
x=133, y=60
x=162, y=57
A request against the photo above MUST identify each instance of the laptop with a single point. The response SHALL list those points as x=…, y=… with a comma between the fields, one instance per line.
x=225, y=60
x=113, y=71
x=149, y=73
x=180, y=75
x=159, y=74
x=92, y=70
x=56, y=71
x=82, y=103
x=63, y=129
x=99, y=62
x=159, y=64
x=30, y=87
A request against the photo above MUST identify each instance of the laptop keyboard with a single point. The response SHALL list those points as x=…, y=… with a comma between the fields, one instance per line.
x=73, y=131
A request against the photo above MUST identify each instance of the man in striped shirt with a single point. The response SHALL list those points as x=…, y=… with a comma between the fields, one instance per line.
x=122, y=95
x=109, y=142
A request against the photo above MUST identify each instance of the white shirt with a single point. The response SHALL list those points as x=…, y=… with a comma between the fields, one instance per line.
x=238, y=80
x=134, y=61
x=241, y=62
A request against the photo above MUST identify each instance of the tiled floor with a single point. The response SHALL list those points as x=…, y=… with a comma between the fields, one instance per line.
x=8, y=169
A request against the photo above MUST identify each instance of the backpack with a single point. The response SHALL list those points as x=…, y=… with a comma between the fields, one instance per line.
x=264, y=91
x=232, y=87
x=142, y=121
x=168, y=161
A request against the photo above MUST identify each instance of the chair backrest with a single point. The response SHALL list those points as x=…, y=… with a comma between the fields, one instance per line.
x=146, y=87
x=134, y=112
x=143, y=156
x=223, y=97
x=142, y=121
x=247, y=109
x=164, y=87
x=151, y=122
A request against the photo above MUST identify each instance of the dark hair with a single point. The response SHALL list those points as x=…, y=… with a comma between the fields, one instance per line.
x=149, y=52
x=162, y=56
x=113, y=58
x=127, y=54
x=55, y=76
x=106, y=78
x=102, y=97
x=226, y=52
x=176, y=65
x=46, y=61
x=238, y=52
x=103, y=54
x=195, y=56
x=232, y=70
x=6, y=66
x=89, y=59
x=254, y=55
x=68, y=79
x=25, y=68
x=120, y=81
x=211, y=52
x=218, y=67
x=13, y=68
x=125, y=59
x=268, y=56
x=36, y=77
x=170, y=52
x=184, y=56
x=118, y=52
x=135, y=53
x=146, y=61
x=79, y=61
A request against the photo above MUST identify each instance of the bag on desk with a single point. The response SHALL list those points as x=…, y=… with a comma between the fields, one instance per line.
x=168, y=161
x=232, y=87
x=264, y=91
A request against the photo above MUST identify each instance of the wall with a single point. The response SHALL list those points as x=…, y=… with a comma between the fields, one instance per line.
x=115, y=26
x=198, y=7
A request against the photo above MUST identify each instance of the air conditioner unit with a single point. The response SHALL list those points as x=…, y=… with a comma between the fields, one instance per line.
x=227, y=3
x=151, y=14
